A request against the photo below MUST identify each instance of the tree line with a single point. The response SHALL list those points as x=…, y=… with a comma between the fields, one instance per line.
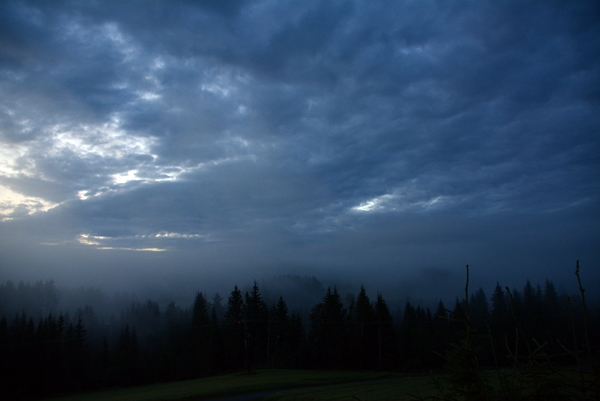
x=58, y=353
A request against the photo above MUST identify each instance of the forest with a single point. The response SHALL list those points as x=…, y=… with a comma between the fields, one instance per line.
x=46, y=351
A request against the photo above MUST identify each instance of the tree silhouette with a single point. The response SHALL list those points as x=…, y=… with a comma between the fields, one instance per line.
x=42, y=356
x=297, y=341
x=365, y=331
x=328, y=330
x=279, y=334
x=201, y=330
x=441, y=335
x=233, y=330
x=256, y=321
x=386, y=336
x=127, y=359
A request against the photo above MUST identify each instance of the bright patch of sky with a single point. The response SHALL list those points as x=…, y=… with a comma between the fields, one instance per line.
x=84, y=142
x=409, y=200
x=112, y=248
x=116, y=243
x=149, y=96
x=13, y=204
x=376, y=204
x=105, y=141
x=175, y=235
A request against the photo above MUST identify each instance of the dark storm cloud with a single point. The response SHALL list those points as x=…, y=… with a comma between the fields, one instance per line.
x=396, y=136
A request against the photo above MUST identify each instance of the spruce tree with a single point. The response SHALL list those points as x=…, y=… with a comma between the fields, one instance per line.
x=217, y=349
x=297, y=340
x=279, y=334
x=440, y=336
x=408, y=330
x=499, y=313
x=256, y=317
x=553, y=318
x=202, y=361
x=500, y=323
x=234, y=332
x=364, y=319
x=127, y=359
x=531, y=311
x=386, y=337
x=328, y=320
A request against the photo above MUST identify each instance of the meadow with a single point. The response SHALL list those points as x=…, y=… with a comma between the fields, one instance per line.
x=237, y=384
x=321, y=385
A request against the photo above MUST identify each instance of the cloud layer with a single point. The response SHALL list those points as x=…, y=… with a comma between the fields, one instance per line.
x=391, y=136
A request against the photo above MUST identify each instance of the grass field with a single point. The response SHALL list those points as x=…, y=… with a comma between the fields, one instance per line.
x=233, y=384
x=399, y=389
x=563, y=384
x=306, y=385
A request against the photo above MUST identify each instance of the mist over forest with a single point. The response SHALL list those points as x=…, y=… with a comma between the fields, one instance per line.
x=40, y=297
x=59, y=340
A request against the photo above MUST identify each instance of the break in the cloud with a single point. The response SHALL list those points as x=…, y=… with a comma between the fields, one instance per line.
x=349, y=134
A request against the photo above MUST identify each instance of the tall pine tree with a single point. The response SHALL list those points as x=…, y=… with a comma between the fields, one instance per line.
x=234, y=330
x=256, y=318
x=328, y=330
x=200, y=341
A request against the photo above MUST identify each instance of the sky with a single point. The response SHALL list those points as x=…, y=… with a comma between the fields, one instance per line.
x=168, y=144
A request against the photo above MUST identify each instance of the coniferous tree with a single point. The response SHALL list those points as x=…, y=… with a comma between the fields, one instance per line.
x=57, y=352
x=515, y=302
x=441, y=335
x=297, y=341
x=127, y=360
x=217, y=350
x=106, y=359
x=516, y=317
x=408, y=333
x=424, y=337
x=529, y=309
x=4, y=351
x=550, y=296
x=234, y=330
x=18, y=354
x=327, y=334
x=279, y=334
x=217, y=306
x=201, y=329
x=539, y=297
x=500, y=323
x=256, y=318
x=75, y=355
x=479, y=316
x=363, y=318
x=175, y=358
x=386, y=336
x=499, y=312
x=552, y=311
x=457, y=320
x=145, y=317
x=478, y=307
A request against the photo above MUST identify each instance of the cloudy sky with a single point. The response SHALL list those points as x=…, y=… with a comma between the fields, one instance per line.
x=391, y=140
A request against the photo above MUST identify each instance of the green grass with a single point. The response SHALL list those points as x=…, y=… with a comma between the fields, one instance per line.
x=399, y=389
x=565, y=384
x=233, y=384
x=337, y=386
x=332, y=385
